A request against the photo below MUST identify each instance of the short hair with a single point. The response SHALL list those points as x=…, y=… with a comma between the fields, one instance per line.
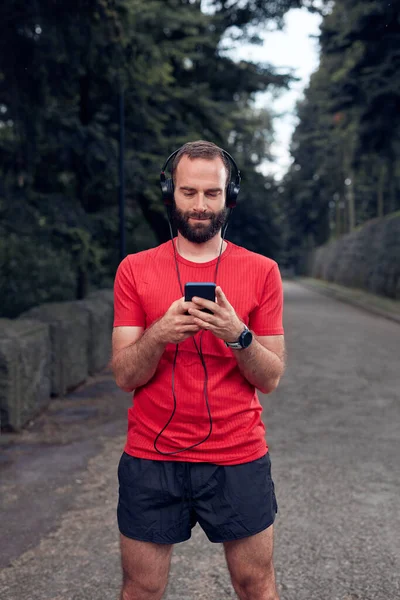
x=201, y=149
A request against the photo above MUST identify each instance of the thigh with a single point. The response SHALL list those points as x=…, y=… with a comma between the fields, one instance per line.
x=249, y=559
x=233, y=502
x=145, y=565
x=152, y=504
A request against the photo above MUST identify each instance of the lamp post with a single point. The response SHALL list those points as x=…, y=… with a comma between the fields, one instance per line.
x=121, y=190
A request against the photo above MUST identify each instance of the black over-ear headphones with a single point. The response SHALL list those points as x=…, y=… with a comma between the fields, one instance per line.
x=167, y=184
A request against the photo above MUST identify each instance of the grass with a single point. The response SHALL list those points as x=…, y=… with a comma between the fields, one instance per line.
x=356, y=294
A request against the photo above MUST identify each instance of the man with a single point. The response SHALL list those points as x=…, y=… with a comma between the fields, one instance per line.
x=174, y=472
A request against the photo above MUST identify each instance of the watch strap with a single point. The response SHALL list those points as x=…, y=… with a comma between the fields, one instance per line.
x=234, y=345
x=237, y=345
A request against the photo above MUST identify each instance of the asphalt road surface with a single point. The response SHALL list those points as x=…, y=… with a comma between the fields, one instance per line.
x=333, y=428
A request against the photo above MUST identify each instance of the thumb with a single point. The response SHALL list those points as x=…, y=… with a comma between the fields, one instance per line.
x=221, y=298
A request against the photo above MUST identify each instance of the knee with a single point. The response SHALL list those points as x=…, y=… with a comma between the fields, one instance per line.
x=142, y=590
x=253, y=587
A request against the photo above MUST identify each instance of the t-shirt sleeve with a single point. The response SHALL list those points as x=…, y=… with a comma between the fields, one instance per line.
x=266, y=318
x=128, y=310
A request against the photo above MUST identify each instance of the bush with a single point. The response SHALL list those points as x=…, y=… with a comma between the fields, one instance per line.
x=32, y=273
x=368, y=258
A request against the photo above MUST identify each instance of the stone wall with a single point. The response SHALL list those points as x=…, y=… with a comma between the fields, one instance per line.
x=49, y=350
x=24, y=370
x=368, y=258
x=101, y=316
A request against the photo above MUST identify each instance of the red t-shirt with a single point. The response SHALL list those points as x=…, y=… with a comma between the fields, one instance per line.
x=146, y=285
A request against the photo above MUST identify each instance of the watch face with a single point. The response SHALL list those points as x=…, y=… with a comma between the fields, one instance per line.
x=246, y=338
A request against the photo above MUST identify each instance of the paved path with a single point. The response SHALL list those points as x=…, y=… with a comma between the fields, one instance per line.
x=333, y=428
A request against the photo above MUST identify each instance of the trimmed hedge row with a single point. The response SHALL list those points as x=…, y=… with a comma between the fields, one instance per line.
x=368, y=258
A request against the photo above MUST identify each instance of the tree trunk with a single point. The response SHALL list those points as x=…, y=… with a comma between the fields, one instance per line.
x=350, y=201
x=81, y=283
x=381, y=189
x=155, y=218
x=338, y=227
x=392, y=184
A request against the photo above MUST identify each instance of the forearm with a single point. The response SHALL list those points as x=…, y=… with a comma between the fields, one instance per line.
x=135, y=365
x=261, y=367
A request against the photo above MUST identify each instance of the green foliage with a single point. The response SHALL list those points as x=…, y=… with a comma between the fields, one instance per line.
x=346, y=147
x=368, y=258
x=63, y=69
x=32, y=273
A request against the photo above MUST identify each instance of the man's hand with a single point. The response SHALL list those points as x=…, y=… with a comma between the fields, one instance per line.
x=176, y=325
x=223, y=323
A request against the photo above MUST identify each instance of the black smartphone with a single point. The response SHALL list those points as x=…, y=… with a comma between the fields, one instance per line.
x=201, y=289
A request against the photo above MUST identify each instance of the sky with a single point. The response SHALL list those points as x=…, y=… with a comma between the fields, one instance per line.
x=291, y=49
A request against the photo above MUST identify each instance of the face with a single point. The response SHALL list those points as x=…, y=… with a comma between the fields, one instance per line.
x=199, y=211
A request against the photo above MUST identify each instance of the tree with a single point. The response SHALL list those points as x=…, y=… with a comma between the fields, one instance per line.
x=59, y=98
x=346, y=145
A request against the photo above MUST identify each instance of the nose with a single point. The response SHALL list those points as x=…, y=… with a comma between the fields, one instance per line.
x=200, y=203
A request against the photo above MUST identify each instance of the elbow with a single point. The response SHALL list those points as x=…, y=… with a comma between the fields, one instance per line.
x=270, y=385
x=124, y=385
x=273, y=381
x=126, y=388
x=122, y=382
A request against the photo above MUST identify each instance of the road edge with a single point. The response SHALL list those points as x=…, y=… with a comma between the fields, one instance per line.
x=357, y=298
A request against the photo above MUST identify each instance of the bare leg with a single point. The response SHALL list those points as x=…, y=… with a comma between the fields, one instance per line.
x=250, y=566
x=145, y=568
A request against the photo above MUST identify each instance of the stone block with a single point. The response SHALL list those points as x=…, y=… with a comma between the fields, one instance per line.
x=24, y=370
x=101, y=315
x=69, y=335
x=106, y=294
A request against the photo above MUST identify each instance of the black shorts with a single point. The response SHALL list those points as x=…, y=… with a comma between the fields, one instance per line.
x=161, y=501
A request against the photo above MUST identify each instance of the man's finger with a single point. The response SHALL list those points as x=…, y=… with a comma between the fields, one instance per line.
x=190, y=328
x=221, y=298
x=186, y=305
x=198, y=314
x=203, y=303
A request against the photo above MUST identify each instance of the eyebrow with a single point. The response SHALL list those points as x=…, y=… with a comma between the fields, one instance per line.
x=190, y=189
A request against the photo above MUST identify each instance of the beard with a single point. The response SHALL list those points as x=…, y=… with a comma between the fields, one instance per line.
x=199, y=232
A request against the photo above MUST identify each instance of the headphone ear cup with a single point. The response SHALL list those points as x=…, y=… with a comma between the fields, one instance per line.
x=167, y=191
x=232, y=193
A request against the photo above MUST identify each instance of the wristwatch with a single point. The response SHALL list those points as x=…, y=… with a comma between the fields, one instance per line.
x=244, y=340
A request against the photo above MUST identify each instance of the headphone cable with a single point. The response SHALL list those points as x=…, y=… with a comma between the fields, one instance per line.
x=198, y=349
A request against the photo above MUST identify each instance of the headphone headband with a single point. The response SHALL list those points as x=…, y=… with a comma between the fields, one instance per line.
x=167, y=184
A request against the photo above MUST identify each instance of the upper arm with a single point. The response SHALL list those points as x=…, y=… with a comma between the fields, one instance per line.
x=125, y=336
x=266, y=317
x=128, y=309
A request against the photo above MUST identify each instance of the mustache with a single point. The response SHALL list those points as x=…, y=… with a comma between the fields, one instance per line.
x=202, y=217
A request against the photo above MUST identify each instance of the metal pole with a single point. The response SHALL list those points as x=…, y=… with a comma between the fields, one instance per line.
x=122, y=245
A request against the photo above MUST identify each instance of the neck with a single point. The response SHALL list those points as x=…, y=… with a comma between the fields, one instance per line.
x=200, y=252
